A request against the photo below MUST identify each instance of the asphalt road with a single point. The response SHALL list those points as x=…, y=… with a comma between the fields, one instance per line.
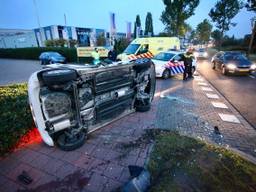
x=17, y=71
x=240, y=91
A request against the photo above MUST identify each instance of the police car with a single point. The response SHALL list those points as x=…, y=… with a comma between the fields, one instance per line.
x=169, y=63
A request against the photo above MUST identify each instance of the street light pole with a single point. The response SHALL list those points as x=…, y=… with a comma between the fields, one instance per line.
x=38, y=22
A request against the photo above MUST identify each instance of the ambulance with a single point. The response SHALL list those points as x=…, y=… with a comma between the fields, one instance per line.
x=149, y=47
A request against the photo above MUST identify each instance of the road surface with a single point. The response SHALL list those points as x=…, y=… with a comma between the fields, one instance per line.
x=240, y=91
x=17, y=71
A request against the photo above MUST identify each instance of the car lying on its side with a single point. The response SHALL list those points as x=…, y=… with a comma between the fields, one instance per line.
x=169, y=64
x=70, y=101
x=232, y=62
x=51, y=57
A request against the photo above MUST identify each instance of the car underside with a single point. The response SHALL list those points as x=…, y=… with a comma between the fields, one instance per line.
x=70, y=101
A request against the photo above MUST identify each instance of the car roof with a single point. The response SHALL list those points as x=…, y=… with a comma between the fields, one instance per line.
x=172, y=52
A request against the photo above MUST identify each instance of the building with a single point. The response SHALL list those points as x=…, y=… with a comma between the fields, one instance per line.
x=18, y=38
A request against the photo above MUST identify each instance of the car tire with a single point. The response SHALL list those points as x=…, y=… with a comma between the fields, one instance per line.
x=143, y=108
x=58, y=76
x=213, y=65
x=223, y=70
x=67, y=144
x=166, y=74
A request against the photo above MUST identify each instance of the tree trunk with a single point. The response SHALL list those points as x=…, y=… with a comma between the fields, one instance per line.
x=252, y=38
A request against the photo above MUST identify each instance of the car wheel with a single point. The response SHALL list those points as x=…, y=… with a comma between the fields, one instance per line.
x=224, y=71
x=143, y=108
x=69, y=143
x=51, y=62
x=58, y=76
x=166, y=74
x=213, y=65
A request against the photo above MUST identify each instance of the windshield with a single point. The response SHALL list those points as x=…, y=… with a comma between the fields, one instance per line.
x=235, y=56
x=131, y=49
x=201, y=50
x=54, y=54
x=164, y=56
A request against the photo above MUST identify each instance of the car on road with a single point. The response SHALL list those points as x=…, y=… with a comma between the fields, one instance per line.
x=69, y=101
x=232, y=62
x=201, y=53
x=169, y=63
x=51, y=57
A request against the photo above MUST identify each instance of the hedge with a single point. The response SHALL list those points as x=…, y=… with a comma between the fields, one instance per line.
x=15, y=115
x=34, y=52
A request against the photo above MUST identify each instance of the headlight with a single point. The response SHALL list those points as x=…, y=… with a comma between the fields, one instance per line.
x=253, y=67
x=231, y=66
x=205, y=54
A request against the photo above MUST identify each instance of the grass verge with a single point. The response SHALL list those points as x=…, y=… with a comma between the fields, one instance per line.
x=180, y=163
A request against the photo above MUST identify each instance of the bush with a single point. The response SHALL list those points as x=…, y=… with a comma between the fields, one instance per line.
x=34, y=52
x=15, y=115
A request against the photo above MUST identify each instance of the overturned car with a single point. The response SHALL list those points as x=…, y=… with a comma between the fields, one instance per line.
x=70, y=101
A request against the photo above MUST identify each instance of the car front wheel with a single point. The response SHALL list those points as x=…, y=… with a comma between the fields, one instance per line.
x=166, y=74
x=224, y=70
x=213, y=65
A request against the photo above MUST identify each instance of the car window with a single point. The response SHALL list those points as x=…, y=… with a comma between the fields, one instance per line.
x=164, y=56
x=177, y=58
x=54, y=54
x=235, y=56
x=131, y=49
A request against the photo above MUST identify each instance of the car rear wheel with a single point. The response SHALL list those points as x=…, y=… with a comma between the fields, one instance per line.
x=59, y=76
x=166, y=74
x=69, y=143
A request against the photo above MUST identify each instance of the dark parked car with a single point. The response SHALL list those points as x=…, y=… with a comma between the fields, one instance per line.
x=232, y=62
x=51, y=57
x=70, y=101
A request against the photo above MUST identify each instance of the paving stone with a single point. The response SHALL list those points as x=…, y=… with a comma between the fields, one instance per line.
x=113, y=171
x=112, y=185
x=97, y=183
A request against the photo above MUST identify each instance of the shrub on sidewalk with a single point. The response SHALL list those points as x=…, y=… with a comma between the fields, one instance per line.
x=15, y=116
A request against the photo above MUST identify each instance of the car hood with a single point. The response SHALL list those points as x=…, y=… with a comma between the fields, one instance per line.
x=240, y=63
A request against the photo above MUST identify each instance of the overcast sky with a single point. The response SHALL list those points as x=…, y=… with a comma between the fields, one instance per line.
x=95, y=14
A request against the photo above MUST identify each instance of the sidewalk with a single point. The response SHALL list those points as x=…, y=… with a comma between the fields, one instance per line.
x=101, y=164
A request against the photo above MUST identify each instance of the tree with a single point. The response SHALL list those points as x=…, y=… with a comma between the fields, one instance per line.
x=101, y=40
x=216, y=35
x=176, y=13
x=223, y=12
x=121, y=44
x=251, y=6
x=136, y=24
x=204, y=31
x=149, y=25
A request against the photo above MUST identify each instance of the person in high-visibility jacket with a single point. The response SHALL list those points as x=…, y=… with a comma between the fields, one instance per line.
x=188, y=60
x=96, y=56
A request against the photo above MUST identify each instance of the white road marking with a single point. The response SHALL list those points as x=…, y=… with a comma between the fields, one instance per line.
x=252, y=76
x=206, y=89
x=201, y=83
x=229, y=118
x=219, y=105
x=212, y=96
